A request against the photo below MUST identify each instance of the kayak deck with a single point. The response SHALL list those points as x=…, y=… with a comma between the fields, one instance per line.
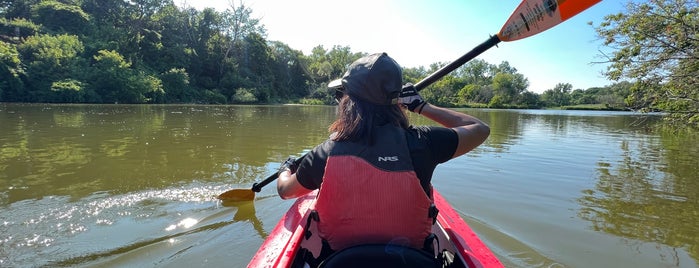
x=287, y=237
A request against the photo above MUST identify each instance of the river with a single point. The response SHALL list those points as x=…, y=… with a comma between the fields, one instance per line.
x=134, y=185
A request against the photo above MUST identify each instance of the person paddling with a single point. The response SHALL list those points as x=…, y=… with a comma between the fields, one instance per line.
x=376, y=167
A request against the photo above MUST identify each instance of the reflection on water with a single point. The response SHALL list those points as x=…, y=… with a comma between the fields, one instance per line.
x=134, y=185
x=246, y=213
x=79, y=149
x=649, y=194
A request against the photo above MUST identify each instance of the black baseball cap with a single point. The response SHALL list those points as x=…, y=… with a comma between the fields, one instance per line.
x=375, y=78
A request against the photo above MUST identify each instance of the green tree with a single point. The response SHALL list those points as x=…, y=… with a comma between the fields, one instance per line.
x=17, y=8
x=319, y=68
x=255, y=68
x=238, y=24
x=474, y=93
x=11, y=86
x=290, y=77
x=18, y=28
x=60, y=17
x=115, y=82
x=580, y=96
x=69, y=91
x=477, y=71
x=50, y=59
x=176, y=51
x=529, y=100
x=177, y=87
x=558, y=96
x=414, y=74
x=507, y=86
x=655, y=44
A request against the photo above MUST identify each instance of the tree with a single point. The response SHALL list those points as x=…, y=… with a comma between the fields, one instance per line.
x=176, y=86
x=238, y=24
x=529, y=100
x=289, y=75
x=114, y=80
x=60, y=17
x=18, y=28
x=558, y=96
x=507, y=86
x=655, y=44
x=477, y=72
x=49, y=59
x=11, y=86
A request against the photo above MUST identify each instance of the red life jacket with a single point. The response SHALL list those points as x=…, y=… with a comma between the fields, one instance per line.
x=372, y=195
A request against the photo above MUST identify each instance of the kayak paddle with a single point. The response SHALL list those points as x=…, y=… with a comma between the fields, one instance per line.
x=237, y=195
x=247, y=194
x=529, y=18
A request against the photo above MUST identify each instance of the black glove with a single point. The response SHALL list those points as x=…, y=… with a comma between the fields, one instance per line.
x=411, y=99
x=289, y=164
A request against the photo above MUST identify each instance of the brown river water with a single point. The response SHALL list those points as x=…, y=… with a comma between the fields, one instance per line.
x=134, y=185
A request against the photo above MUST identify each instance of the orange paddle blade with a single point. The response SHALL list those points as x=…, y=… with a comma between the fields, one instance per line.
x=236, y=195
x=534, y=16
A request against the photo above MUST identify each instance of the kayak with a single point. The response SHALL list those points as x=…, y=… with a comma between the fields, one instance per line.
x=287, y=241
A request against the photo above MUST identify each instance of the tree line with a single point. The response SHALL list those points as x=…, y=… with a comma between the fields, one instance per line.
x=153, y=51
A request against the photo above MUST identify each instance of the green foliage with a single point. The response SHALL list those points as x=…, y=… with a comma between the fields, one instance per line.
x=152, y=51
x=212, y=97
x=528, y=100
x=244, y=95
x=68, y=91
x=176, y=86
x=11, y=71
x=507, y=86
x=60, y=17
x=18, y=28
x=558, y=96
x=149, y=86
x=115, y=81
x=307, y=101
x=49, y=59
x=655, y=44
x=497, y=101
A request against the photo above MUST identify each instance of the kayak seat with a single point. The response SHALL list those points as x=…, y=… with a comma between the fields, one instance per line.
x=380, y=255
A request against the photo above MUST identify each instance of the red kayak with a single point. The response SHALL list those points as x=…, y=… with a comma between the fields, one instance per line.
x=286, y=242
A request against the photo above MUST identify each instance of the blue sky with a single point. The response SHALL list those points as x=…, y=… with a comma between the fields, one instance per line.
x=418, y=33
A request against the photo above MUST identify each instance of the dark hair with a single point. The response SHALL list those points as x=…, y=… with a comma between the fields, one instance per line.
x=356, y=119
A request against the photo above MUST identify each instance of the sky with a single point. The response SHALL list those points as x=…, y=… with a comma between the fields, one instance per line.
x=418, y=33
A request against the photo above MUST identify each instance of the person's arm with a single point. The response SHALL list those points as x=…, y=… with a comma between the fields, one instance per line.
x=470, y=130
x=289, y=187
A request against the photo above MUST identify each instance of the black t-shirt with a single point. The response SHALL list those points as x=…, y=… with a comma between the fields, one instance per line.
x=428, y=147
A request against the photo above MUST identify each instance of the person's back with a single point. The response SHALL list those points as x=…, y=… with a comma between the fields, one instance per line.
x=371, y=194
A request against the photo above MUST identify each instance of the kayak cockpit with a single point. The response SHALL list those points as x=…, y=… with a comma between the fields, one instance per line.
x=378, y=255
x=295, y=243
x=442, y=253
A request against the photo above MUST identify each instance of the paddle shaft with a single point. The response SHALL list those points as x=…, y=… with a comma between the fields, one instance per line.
x=425, y=82
x=257, y=187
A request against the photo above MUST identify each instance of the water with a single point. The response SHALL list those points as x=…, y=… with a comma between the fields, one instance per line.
x=134, y=185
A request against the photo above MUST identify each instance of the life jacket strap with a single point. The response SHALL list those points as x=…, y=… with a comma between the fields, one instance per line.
x=432, y=213
x=313, y=215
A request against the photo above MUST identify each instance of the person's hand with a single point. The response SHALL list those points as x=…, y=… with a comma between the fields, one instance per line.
x=411, y=99
x=289, y=164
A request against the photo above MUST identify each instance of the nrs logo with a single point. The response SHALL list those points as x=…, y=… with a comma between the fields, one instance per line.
x=388, y=158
